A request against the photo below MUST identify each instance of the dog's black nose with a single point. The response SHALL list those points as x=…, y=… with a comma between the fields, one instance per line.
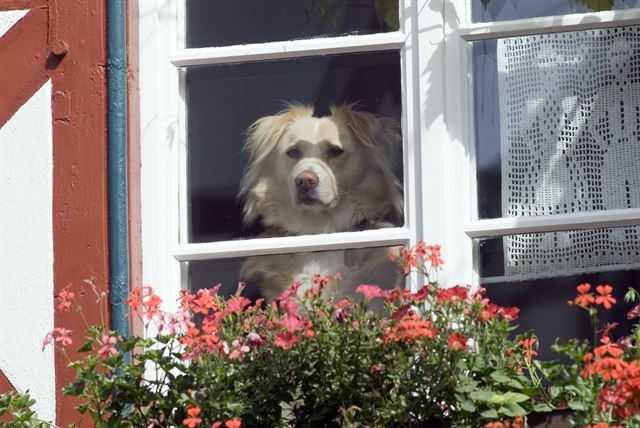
x=306, y=180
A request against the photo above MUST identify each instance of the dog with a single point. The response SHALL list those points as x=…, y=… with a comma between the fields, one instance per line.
x=311, y=175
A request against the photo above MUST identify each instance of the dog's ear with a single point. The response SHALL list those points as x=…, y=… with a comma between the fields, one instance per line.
x=262, y=137
x=377, y=132
x=381, y=135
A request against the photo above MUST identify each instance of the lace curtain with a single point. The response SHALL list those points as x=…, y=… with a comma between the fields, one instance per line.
x=570, y=141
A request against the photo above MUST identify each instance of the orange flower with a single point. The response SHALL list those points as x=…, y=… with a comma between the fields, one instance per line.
x=584, y=299
x=193, y=418
x=607, y=348
x=233, y=423
x=604, y=297
x=527, y=345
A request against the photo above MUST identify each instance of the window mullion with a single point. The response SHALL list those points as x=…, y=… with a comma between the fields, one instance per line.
x=549, y=24
x=552, y=223
x=288, y=49
x=292, y=244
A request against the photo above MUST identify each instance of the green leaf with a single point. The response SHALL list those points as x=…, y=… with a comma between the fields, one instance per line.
x=503, y=378
x=483, y=395
x=88, y=346
x=515, y=397
x=576, y=405
x=489, y=414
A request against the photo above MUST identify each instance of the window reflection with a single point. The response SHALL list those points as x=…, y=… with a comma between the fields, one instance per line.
x=234, y=22
x=543, y=306
x=269, y=276
x=224, y=101
x=502, y=10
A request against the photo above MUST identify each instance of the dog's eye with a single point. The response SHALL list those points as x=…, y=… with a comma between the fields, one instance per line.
x=334, y=152
x=293, y=153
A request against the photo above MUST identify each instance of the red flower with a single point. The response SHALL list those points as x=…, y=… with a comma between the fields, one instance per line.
x=604, y=297
x=509, y=314
x=369, y=291
x=233, y=423
x=457, y=342
x=193, y=418
x=453, y=294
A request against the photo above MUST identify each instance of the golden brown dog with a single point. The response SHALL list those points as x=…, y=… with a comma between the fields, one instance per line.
x=310, y=175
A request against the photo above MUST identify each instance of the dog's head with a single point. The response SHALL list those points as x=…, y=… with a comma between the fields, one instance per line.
x=336, y=170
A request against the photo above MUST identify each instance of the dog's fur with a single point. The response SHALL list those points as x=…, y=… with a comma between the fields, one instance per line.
x=309, y=175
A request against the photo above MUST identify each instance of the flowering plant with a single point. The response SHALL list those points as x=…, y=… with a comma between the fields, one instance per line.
x=602, y=383
x=302, y=360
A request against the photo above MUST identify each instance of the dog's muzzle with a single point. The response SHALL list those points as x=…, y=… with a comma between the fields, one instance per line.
x=314, y=185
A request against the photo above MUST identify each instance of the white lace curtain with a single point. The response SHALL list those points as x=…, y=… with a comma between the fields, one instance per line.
x=570, y=141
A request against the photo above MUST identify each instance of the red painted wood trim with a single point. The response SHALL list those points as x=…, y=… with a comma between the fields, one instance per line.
x=22, y=4
x=23, y=55
x=80, y=210
x=5, y=384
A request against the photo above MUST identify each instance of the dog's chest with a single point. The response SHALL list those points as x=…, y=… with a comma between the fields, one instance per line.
x=325, y=263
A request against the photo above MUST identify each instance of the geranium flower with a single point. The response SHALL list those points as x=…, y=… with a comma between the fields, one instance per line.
x=193, y=418
x=457, y=293
x=286, y=340
x=233, y=423
x=369, y=291
x=584, y=299
x=527, y=345
x=66, y=297
x=457, y=342
x=604, y=298
x=108, y=346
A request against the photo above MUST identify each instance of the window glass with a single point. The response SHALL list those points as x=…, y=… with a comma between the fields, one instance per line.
x=538, y=255
x=268, y=276
x=501, y=10
x=543, y=306
x=308, y=176
x=557, y=122
x=235, y=22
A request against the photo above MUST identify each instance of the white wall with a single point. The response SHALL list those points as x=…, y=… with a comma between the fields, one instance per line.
x=26, y=250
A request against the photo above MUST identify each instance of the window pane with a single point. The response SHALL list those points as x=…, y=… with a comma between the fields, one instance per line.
x=233, y=22
x=268, y=276
x=543, y=306
x=539, y=255
x=502, y=10
x=341, y=174
x=557, y=122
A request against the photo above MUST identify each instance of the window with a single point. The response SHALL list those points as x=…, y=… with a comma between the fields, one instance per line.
x=221, y=66
x=519, y=148
x=553, y=147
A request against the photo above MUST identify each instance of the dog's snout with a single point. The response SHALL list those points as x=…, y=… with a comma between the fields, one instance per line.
x=306, y=180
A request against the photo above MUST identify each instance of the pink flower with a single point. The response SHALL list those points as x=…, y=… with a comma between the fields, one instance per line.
x=63, y=336
x=108, y=346
x=236, y=304
x=369, y=291
x=286, y=340
x=292, y=323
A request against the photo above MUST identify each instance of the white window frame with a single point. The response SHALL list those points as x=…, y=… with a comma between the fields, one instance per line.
x=162, y=58
x=439, y=146
x=460, y=31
